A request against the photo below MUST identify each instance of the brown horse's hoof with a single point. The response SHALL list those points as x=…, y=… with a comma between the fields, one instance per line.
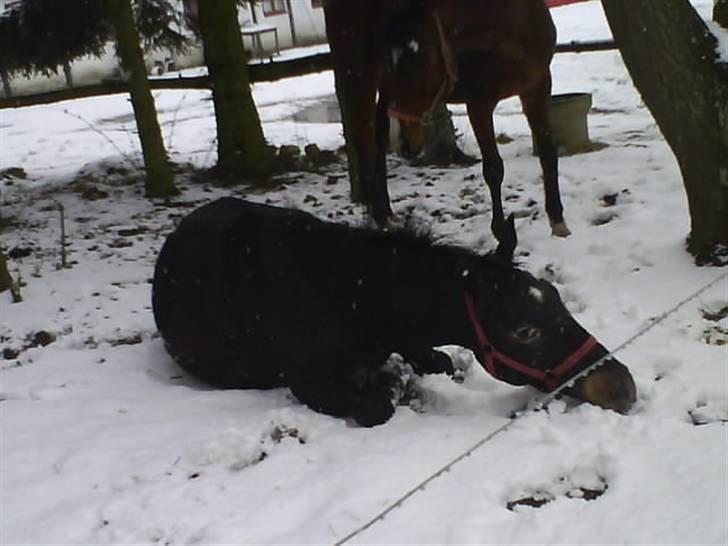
x=559, y=229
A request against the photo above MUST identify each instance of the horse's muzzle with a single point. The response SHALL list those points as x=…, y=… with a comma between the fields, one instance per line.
x=610, y=386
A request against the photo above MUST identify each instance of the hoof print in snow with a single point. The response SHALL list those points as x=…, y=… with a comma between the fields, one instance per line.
x=611, y=199
x=716, y=334
x=10, y=354
x=707, y=412
x=535, y=501
x=89, y=191
x=120, y=243
x=41, y=339
x=132, y=232
x=13, y=173
x=565, y=487
x=133, y=339
x=280, y=432
x=20, y=252
x=603, y=218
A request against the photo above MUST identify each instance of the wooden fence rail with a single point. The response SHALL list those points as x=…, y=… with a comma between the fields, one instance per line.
x=258, y=72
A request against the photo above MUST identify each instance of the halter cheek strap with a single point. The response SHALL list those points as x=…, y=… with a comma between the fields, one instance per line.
x=491, y=356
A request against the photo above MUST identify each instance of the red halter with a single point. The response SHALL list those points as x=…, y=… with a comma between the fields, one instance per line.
x=551, y=378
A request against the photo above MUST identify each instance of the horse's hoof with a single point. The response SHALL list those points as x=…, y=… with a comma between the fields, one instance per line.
x=391, y=224
x=559, y=229
x=387, y=223
x=376, y=409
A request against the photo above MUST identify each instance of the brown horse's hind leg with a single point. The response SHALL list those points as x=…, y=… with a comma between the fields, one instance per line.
x=536, y=106
x=480, y=114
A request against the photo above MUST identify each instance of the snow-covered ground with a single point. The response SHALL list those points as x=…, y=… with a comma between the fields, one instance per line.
x=103, y=440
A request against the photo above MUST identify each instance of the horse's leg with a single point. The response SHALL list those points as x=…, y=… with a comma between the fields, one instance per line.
x=367, y=123
x=537, y=107
x=381, y=207
x=480, y=113
x=426, y=360
x=321, y=360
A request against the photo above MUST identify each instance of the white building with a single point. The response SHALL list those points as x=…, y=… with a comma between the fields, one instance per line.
x=267, y=27
x=298, y=22
x=6, y=4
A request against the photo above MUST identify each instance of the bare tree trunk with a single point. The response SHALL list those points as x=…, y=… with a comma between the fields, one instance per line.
x=6, y=83
x=242, y=149
x=159, y=180
x=6, y=281
x=435, y=144
x=67, y=74
x=672, y=59
x=720, y=13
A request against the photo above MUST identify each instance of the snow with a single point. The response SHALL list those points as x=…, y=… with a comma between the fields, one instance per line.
x=103, y=440
x=721, y=35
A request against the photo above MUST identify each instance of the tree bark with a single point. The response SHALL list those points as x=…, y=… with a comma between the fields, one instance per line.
x=720, y=13
x=159, y=179
x=6, y=83
x=67, y=73
x=6, y=281
x=671, y=56
x=242, y=149
x=435, y=144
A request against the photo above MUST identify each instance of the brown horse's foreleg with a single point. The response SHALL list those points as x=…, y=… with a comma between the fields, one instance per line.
x=537, y=108
x=369, y=137
x=480, y=114
x=381, y=208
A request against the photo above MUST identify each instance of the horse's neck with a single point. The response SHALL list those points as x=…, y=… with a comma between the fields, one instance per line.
x=429, y=297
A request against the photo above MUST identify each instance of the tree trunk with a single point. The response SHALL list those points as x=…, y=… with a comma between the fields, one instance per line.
x=435, y=144
x=241, y=146
x=159, y=180
x=720, y=13
x=6, y=83
x=6, y=281
x=67, y=73
x=671, y=57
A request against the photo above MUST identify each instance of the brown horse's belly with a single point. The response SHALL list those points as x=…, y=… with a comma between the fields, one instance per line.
x=484, y=75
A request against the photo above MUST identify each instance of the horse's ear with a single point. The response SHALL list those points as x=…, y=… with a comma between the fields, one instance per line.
x=509, y=240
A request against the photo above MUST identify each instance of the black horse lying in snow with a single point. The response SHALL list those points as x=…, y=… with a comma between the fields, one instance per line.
x=251, y=296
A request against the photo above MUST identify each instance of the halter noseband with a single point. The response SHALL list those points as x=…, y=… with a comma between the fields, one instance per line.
x=550, y=379
x=446, y=87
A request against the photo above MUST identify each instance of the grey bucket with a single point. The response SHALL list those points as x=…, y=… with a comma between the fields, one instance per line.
x=569, y=122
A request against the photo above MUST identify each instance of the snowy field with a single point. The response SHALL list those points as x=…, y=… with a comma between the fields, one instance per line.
x=103, y=440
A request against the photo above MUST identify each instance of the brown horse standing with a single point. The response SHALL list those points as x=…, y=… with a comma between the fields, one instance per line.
x=404, y=57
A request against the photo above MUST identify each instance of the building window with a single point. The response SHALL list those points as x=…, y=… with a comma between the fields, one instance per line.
x=274, y=7
x=317, y=3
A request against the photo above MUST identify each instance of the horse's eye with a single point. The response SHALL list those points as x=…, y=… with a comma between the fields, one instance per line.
x=527, y=334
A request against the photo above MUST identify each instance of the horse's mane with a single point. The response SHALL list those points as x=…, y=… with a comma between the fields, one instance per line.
x=404, y=18
x=417, y=231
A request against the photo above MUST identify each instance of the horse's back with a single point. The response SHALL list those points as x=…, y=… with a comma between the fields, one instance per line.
x=206, y=294
x=238, y=284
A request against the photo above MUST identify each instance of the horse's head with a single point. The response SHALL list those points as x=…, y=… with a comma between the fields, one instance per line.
x=419, y=67
x=527, y=336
